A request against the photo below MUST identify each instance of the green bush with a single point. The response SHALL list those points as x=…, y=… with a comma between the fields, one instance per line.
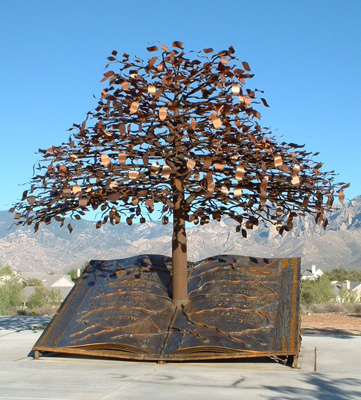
x=340, y=274
x=11, y=293
x=74, y=272
x=317, y=292
x=43, y=297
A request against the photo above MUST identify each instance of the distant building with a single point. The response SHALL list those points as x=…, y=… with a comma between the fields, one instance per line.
x=347, y=291
x=312, y=274
x=61, y=283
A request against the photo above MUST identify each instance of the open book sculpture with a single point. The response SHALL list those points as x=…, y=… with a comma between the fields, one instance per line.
x=237, y=307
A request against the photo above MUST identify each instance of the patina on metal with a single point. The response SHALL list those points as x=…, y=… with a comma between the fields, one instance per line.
x=237, y=307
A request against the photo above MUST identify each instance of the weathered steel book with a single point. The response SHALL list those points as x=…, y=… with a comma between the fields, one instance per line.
x=238, y=307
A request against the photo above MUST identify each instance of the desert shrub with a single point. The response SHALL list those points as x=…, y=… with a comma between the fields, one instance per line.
x=46, y=309
x=354, y=308
x=317, y=308
x=357, y=308
x=335, y=307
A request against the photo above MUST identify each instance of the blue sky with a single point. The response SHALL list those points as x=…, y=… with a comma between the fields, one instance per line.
x=306, y=56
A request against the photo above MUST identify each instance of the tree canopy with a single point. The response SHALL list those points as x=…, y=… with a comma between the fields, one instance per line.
x=179, y=130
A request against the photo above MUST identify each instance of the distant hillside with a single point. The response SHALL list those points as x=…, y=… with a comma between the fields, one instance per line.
x=54, y=249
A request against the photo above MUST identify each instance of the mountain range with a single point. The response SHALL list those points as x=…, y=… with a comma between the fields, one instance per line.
x=54, y=250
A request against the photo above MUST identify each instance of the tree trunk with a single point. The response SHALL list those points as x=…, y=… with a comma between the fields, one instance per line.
x=179, y=251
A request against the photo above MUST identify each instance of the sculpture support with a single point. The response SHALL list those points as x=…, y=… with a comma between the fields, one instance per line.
x=238, y=307
x=179, y=251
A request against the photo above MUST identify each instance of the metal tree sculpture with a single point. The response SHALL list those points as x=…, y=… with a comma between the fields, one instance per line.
x=182, y=132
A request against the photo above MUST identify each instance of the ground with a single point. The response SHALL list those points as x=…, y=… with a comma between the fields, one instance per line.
x=332, y=323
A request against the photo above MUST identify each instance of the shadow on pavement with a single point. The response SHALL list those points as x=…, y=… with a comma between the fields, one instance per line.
x=22, y=323
x=339, y=333
x=323, y=387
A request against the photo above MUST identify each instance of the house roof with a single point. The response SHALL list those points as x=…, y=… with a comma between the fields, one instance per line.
x=48, y=280
x=354, y=285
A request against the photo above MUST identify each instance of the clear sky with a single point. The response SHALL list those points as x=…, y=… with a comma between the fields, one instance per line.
x=306, y=56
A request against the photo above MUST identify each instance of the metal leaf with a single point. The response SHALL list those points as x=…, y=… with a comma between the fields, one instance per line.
x=76, y=189
x=235, y=89
x=104, y=158
x=240, y=173
x=83, y=201
x=177, y=44
x=134, y=107
x=125, y=86
x=166, y=171
x=31, y=200
x=122, y=158
x=178, y=184
x=217, y=123
x=264, y=102
x=151, y=89
x=133, y=175
x=246, y=66
x=278, y=161
x=162, y=113
x=191, y=164
x=341, y=196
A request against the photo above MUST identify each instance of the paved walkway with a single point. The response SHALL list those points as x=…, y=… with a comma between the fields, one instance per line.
x=338, y=373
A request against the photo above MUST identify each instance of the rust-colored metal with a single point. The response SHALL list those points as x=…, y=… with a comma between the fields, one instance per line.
x=178, y=133
x=238, y=307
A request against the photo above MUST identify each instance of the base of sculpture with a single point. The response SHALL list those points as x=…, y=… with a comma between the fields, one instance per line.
x=238, y=307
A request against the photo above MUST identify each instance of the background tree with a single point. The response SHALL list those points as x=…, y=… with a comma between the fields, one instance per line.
x=179, y=130
x=74, y=273
x=42, y=297
x=317, y=292
x=341, y=274
x=11, y=292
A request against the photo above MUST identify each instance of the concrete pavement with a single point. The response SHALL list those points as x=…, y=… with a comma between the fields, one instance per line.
x=55, y=377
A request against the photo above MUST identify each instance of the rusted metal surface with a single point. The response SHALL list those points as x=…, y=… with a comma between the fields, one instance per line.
x=238, y=307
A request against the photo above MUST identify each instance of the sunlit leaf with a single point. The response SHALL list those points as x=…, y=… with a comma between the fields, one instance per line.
x=236, y=89
x=166, y=171
x=191, y=164
x=133, y=175
x=278, y=161
x=162, y=113
x=104, y=158
x=240, y=173
x=151, y=89
x=134, y=107
x=217, y=123
x=122, y=158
